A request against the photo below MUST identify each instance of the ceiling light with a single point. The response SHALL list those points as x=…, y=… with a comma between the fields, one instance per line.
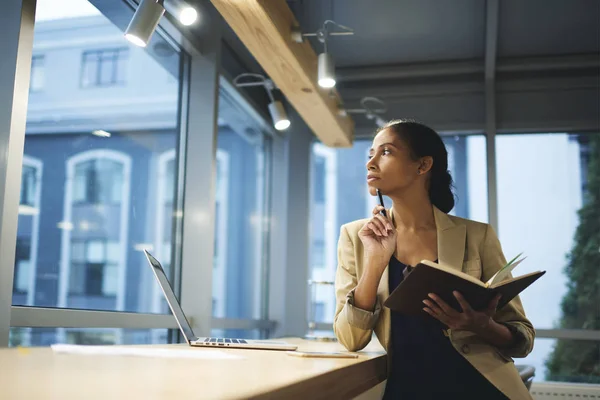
x=326, y=70
x=144, y=22
x=279, y=116
x=326, y=64
x=101, y=133
x=280, y=119
x=188, y=16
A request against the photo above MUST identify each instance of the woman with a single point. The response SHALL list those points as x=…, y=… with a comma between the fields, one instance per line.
x=449, y=354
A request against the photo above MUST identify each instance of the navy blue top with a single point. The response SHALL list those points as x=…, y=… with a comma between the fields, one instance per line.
x=425, y=365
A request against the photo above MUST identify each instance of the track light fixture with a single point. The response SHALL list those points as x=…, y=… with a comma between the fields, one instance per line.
x=326, y=64
x=278, y=115
x=186, y=14
x=372, y=110
x=148, y=15
x=144, y=22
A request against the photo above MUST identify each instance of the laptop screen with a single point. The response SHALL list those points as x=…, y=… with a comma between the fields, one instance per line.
x=171, y=298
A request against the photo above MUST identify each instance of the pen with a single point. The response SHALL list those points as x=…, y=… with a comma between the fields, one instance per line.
x=381, y=203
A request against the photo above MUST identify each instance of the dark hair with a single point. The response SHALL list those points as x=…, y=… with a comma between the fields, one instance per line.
x=424, y=141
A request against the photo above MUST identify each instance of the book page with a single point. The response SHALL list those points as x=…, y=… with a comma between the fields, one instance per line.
x=504, y=271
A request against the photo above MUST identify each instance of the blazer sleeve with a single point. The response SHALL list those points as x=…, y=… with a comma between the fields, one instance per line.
x=352, y=326
x=512, y=315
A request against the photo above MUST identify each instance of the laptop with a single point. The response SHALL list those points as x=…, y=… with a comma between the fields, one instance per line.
x=186, y=329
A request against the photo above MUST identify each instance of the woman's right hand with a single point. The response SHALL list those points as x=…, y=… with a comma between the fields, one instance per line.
x=378, y=236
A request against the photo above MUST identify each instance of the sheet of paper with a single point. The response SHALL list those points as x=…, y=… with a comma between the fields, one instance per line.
x=199, y=353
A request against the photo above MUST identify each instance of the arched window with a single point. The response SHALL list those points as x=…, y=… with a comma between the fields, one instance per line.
x=28, y=232
x=95, y=231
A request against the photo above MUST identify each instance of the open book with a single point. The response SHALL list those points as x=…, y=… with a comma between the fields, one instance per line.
x=429, y=277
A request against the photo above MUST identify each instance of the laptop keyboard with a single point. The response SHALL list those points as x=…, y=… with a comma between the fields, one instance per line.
x=225, y=340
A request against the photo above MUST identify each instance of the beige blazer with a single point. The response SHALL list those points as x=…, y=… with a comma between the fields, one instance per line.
x=466, y=245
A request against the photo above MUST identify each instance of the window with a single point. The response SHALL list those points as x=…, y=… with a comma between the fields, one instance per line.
x=98, y=206
x=340, y=195
x=240, y=232
x=104, y=68
x=98, y=181
x=94, y=266
x=548, y=208
x=28, y=185
x=27, y=234
x=38, y=73
x=96, y=203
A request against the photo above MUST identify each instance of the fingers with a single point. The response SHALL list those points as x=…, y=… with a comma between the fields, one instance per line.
x=380, y=226
x=378, y=209
x=493, y=305
x=387, y=224
x=464, y=304
x=441, y=304
x=436, y=313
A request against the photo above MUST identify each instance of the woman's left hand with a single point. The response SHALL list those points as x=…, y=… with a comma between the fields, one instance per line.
x=468, y=319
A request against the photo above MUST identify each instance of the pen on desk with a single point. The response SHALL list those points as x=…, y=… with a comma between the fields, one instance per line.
x=383, y=212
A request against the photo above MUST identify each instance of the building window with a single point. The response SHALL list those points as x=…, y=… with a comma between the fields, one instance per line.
x=95, y=231
x=38, y=73
x=28, y=185
x=98, y=181
x=27, y=232
x=94, y=267
x=22, y=266
x=104, y=68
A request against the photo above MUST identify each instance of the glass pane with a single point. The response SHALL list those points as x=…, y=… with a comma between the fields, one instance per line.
x=240, y=219
x=103, y=151
x=340, y=195
x=564, y=360
x=548, y=187
x=88, y=336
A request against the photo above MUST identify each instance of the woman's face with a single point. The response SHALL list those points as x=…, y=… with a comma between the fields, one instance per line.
x=390, y=167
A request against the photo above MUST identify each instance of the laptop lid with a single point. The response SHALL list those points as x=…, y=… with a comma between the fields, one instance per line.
x=176, y=309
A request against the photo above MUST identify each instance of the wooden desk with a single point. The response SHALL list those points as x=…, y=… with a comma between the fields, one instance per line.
x=40, y=373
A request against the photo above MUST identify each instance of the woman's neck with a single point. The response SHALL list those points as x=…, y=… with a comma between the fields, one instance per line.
x=413, y=212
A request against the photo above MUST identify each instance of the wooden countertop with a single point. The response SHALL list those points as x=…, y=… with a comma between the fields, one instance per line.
x=40, y=373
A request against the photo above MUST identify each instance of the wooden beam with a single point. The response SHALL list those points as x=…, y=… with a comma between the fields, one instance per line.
x=264, y=26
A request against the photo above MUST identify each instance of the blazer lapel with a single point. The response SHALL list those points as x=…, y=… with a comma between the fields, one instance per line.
x=451, y=240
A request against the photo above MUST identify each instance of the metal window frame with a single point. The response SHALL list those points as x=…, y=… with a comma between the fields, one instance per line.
x=42, y=317
x=17, y=18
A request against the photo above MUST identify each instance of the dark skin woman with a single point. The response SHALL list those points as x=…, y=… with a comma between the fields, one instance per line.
x=432, y=356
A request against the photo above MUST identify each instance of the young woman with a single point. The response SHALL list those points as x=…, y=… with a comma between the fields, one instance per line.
x=449, y=354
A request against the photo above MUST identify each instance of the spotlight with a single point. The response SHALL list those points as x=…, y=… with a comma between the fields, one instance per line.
x=280, y=119
x=144, y=22
x=186, y=14
x=279, y=116
x=326, y=70
x=326, y=65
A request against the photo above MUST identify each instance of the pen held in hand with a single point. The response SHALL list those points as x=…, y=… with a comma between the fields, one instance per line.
x=383, y=212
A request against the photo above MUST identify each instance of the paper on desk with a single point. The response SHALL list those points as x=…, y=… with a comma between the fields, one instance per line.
x=207, y=354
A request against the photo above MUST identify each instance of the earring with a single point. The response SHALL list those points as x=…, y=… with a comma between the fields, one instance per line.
x=418, y=172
